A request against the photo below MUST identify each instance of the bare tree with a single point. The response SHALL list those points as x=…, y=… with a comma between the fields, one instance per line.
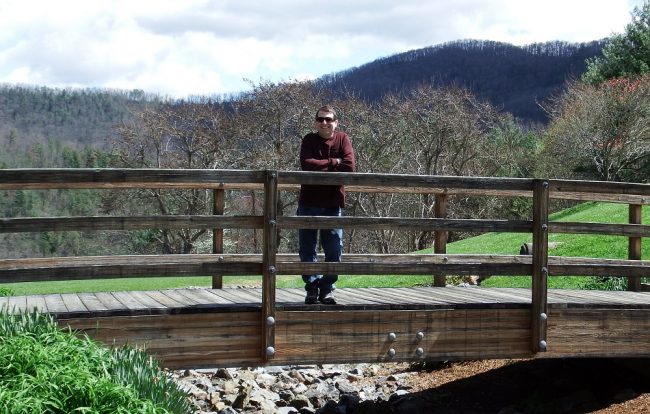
x=187, y=135
x=600, y=132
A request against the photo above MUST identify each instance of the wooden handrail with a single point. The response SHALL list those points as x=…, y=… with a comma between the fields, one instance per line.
x=270, y=263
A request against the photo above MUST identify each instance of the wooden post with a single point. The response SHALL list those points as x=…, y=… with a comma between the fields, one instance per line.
x=218, y=206
x=634, y=246
x=269, y=269
x=440, y=236
x=539, y=303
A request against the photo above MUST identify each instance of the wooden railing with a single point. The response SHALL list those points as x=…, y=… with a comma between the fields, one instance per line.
x=270, y=263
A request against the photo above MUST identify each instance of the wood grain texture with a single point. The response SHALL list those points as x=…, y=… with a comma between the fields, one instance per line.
x=193, y=328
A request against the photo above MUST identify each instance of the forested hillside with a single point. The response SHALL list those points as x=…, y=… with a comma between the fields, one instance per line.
x=85, y=116
x=509, y=77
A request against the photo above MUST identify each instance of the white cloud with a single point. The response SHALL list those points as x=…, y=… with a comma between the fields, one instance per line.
x=200, y=47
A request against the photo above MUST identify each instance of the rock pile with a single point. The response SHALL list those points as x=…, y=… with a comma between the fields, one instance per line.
x=341, y=389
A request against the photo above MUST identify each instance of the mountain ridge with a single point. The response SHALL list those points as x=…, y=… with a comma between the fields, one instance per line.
x=514, y=78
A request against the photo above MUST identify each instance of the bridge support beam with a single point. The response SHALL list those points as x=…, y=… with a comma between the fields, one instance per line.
x=269, y=269
x=539, y=305
x=440, y=236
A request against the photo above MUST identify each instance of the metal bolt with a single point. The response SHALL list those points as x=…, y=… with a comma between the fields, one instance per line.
x=542, y=345
x=391, y=353
x=274, y=174
x=419, y=336
x=545, y=271
x=270, y=351
x=270, y=321
x=543, y=316
x=392, y=336
x=272, y=269
x=272, y=222
x=419, y=352
x=544, y=227
x=545, y=184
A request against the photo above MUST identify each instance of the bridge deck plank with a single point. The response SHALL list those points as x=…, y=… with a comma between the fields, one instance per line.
x=292, y=299
x=198, y=300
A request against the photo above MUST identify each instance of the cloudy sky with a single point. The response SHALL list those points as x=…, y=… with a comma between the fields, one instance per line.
x=179, y=48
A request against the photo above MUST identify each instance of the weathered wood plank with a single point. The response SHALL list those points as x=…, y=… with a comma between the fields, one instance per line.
x=163, y=299
x=455, y=322
x=129, y=301
x=404, y=224
x=405, y=268
x=269, y=266
x=73, y=303
x=599, y=333
x=98, y=267
x=42, y=178
x=612, y=229
x=92, y=303
x=284, y=296
x=25, y=225
x=55, y=304
x=147, y=300
x=182, y=297
x=599, y=187
x=402, y=180
x=109, y=300
x=221, y=298
x=66, y=268
x=215, y=297
x=182, y=340
x=365, y=335
x=36, y=303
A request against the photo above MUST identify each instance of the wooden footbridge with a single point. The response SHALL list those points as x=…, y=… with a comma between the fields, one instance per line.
x=206, y=327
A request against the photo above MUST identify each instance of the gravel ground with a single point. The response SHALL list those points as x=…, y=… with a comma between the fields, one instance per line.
x=529, y=386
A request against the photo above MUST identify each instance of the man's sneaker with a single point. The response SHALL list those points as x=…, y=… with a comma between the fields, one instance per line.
x=312, y=296
x=327, y=299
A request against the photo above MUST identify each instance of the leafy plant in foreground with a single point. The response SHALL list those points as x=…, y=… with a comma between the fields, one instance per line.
x=46, y=370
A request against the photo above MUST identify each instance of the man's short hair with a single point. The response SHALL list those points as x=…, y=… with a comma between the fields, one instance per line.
x=327, y=108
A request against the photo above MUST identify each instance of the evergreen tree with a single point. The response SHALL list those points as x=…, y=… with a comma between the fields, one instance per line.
x=625, y=55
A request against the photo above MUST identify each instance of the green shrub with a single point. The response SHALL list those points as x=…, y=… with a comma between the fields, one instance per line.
x=606, y=283
x=46, y=370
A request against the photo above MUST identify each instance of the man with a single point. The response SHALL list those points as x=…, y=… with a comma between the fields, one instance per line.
x=324, y=150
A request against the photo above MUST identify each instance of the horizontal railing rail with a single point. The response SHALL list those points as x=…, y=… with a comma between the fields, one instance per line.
x=269, y=262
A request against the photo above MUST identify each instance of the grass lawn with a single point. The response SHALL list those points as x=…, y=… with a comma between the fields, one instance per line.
x=495, y=243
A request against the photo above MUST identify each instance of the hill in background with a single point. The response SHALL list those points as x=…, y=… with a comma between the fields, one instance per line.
x=512, y=78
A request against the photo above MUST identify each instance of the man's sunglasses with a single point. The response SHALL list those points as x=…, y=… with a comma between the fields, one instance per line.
x=327, y=119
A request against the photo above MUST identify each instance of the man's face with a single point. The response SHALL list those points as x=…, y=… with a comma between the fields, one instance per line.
x=325, y=124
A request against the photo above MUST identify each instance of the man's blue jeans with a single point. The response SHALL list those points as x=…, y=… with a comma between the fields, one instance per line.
x=331, y=241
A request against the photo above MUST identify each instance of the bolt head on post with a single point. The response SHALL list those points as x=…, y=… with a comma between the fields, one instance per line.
x=270, y=321
x=270, y=351
x=391, y=353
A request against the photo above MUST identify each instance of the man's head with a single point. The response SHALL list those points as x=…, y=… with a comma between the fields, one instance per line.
x=326, y=121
